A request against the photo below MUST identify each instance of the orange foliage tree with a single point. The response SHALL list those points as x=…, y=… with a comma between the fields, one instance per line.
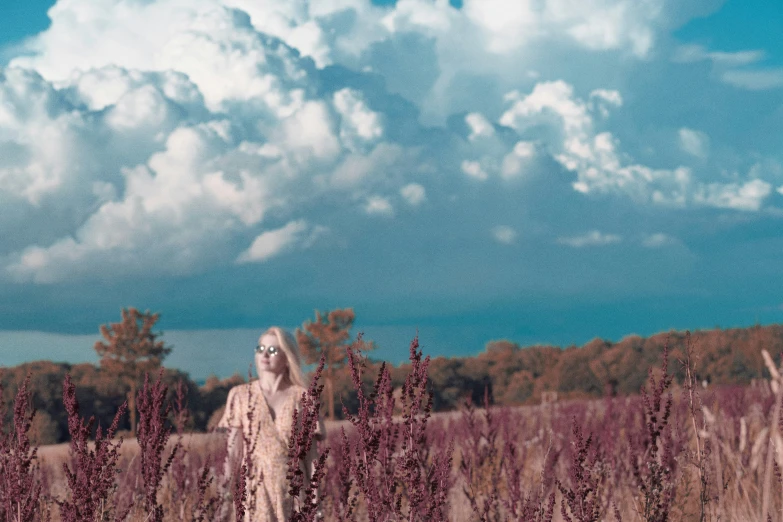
x=329, y=335
x=130, y=350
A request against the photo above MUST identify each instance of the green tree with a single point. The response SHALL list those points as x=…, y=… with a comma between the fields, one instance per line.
x=130, y=350
x=329, y=335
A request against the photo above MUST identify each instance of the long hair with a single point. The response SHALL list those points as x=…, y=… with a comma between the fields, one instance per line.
x=291, y=349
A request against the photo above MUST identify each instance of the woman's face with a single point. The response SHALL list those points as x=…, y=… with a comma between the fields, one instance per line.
x=277, y=363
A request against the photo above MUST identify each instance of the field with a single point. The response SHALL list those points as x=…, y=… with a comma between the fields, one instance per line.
x=675, y=452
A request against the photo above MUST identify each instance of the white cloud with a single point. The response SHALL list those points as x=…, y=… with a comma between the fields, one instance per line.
x=504, y=234
x=696, y=53
x=378, y=205
x=695, y=143
x=602, y=100
x=359, y=124
x=600, y=167
x=747, y=196
x=514, y=161
x=780, y=189
x=604, y=25
x=758, y=80
x=474, y=170
x=274, y=242
x=592, y=238
x=359, y=168
x=309, y=134
x=479, y=126
x=729, y=67
x=484, y=36
x=178, y=143
x=657, y=240
x=578, y=147
x=505, y=26
x=414, y=194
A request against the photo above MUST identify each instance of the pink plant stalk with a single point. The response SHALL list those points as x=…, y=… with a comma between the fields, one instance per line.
x=581, y=500
x=20, y=485
x=91, y=475
x=654, y=475
x=178, y=469
x=480, y=452
x=153, y=434
x=383, y=474
x=240, y=492
x=205, y=508
x=300, y=443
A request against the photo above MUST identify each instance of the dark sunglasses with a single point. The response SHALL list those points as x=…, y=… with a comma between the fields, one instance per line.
x=271, y=350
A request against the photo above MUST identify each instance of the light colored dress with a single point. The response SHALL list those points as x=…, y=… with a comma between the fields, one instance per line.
x=269, y=443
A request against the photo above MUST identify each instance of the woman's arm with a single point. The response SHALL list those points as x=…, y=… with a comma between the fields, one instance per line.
x=234, y=434
x=233, y=450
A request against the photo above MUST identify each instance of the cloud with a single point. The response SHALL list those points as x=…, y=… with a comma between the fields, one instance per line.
x=601, y=168
x=732, y=68
x=504, y=234
x=514, y=161
x=758, y=80
x=694, y=142
x=657, y=240
x=746, y=196
x=604, y=25
x=474, y=170
x=691, y=53
x=274, y=242
x=479, y=126
x=591, y=155
x=179, y=146
x=592, y=238
x=360, y=125
x=378, y=205
x=602, y=100
x=414, y=194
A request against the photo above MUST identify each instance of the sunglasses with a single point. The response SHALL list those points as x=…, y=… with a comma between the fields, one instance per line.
x=271, y=350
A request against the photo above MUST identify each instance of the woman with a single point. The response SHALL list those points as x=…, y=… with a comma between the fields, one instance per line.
x=258, y=418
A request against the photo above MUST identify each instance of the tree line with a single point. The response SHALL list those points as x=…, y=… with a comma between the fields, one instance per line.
x=512, y=374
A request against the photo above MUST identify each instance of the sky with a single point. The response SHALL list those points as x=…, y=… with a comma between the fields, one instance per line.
x=544, y=171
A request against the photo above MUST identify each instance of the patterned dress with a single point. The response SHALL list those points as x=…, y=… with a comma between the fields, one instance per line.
x=269, y=445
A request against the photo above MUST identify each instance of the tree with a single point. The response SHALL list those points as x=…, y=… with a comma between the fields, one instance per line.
x=328, y=335
x=131, y=350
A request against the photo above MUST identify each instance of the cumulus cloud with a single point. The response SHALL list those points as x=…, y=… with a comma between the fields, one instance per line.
x=694, y=142
x=504, y=234
x=592, y=238
x=181, y=144
x=602, y=100
x=378, y=205
x=414, y=194
x=657, y=240
x=274, y=242
x=514, y=161
x=359, y=124
x=696, y=53
x=747, y=196
x=592, y=155
x=758, y=80
x=474, y=170
x=479, y=126
x=734, y=68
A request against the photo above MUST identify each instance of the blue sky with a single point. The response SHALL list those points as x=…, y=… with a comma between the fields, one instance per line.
x=546, y=172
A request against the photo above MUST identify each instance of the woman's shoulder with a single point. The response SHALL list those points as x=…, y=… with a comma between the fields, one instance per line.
x=240, y=388
x=297, y=390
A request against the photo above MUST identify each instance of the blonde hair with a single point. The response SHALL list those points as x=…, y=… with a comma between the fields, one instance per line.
x=290, y=347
